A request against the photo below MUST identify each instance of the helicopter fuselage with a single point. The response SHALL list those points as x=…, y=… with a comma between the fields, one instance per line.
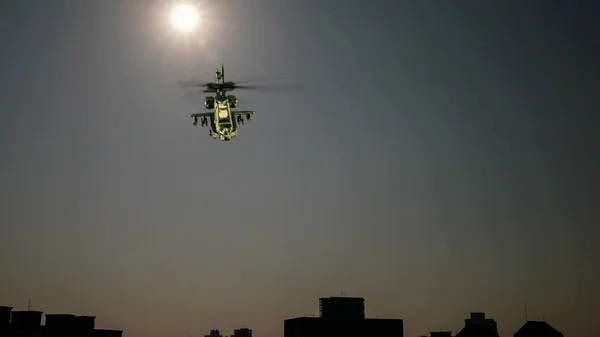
x=223, y=125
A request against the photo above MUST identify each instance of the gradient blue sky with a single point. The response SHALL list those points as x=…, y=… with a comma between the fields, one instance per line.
x=442, y=160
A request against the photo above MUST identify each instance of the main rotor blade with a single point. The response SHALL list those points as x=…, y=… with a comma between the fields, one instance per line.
x=271, y=88
x=200, y=84
x=258, y=79
x=194, y=93
x=193, y=84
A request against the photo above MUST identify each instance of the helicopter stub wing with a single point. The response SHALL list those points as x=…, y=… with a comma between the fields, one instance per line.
x=202, y=114
x=237, y=113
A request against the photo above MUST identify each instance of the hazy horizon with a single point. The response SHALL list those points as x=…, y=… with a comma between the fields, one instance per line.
x=441, y=160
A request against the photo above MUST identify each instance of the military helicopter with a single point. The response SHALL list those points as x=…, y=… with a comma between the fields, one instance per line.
x=223, y=121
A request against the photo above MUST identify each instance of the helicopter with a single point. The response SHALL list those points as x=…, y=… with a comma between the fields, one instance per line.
x=224, y=122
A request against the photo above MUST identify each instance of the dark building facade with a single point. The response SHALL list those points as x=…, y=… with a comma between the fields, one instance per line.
x=476, y=330
x=5, y=316
x=441, y=334
x=480, y=319
x=244, y=332
x=342, y=316
x=25, y=324
x=342, y=307
x=214, y=333
x=479, y=326
x=537, y=329
x=29, y=324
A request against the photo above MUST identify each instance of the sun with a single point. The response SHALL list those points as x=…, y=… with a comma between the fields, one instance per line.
x=184, y=17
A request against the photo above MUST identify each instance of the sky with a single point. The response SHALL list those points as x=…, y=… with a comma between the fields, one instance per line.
x=442, y=159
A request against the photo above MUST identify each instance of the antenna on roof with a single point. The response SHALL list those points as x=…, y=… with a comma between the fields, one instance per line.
x=29, y=305
x=526, y=320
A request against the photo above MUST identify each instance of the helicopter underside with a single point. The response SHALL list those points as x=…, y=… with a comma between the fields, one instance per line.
x=223, y=133
x=224, y=127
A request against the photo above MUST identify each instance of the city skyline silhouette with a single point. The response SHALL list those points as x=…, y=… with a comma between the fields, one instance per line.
x=338, y=316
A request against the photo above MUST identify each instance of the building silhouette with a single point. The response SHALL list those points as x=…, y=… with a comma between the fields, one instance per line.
x=29, y=323
x=479, y=318
x=479, y=326
x=5, y=317
x=476, y=330
x=342, y=308
x=214, y=333
x=342, y=316
x=244, y=332
x=537, y=329
x=441, y=334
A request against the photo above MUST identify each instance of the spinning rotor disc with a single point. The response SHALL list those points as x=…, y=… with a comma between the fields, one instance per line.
x=229, y=86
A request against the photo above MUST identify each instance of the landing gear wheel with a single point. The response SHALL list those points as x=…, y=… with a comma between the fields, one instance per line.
x=195, y=121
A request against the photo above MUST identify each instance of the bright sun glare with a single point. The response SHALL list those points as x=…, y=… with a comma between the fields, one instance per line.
x=184, y=17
